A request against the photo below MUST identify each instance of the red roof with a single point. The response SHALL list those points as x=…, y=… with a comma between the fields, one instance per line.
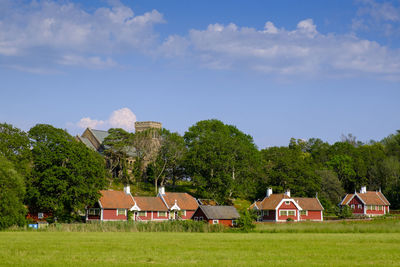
x=150, y=204
x=369, y=198
x=308, y=203
x=183, y=200
x=111, y=199
x=271, y=202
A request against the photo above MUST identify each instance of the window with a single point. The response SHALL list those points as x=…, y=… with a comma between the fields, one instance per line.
x=183, y=212
x=359, y=206
x=162, y=214
x=94, y=212
x=196, y=218
x=200, y=218
x=380, y=207
x=120, y=211
x=303, y=212
x=215, y=221
x=234, y=222
x=291, y=213
x=142, y=213
x=287, y=202
x=40, y=215
x=287, y=212
x=353, y=206
x=265, y=212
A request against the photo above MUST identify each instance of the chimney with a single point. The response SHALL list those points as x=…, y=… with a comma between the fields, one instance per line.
x=161, y=190
x=269, y=191
x=287, y=193
x=127, y=189
x=363, y=190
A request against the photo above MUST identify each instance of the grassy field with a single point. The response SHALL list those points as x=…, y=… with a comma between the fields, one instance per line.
x=199, y=249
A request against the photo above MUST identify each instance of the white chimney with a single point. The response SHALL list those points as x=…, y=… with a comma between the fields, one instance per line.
x=127, y=189
x=269, y=192
x=363, y=190
x=287, y=193
x=161, y=190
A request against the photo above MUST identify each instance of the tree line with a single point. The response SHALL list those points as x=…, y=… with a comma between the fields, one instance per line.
x=46, y=169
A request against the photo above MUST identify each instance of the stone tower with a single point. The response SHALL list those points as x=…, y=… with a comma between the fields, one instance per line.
x=141, y=126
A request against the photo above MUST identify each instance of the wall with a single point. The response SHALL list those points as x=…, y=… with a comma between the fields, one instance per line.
x=290, y=206
x=111, y=215
x=314, y=215
x=356, y=201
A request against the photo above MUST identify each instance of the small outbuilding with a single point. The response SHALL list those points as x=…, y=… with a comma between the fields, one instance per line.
x=225, y=215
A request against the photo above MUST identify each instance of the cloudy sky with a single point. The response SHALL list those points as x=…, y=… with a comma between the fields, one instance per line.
x=275, y=69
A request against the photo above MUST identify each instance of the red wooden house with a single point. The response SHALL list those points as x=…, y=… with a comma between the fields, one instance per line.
x=180, y=205
x=112, y=206
x=367, y=203
x=282, y=207
x=225, y=215
x=149, y=209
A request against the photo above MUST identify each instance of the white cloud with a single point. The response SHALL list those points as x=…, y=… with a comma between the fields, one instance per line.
x=302, y=51
x=122, y=118
x=67, y=33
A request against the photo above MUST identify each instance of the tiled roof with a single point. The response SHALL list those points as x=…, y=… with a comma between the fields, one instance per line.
x=99, y=134
x=308, y=203
x=183, y=200
x=256, y=203
x=270, y=203
x=220, y=212
x=86, y=142
x=369, y=198
x=150, y=204
x=111, y=199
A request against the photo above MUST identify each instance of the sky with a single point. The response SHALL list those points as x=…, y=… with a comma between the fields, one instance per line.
x=274, y=69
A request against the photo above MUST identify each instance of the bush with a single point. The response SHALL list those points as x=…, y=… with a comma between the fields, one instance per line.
x=344, y=212
x=246, y=219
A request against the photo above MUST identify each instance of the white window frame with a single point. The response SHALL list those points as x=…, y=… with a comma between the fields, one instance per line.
x=287, y=202
x=40, y=215
x=353, y=206
x=200, y=218
x=145, y=213
x=121, y=214
x=183, y=212
x=234, y=222
x=196, y=218
x=215, y=221
x=92, y=212
x=291, y=214
x=158, y=214
x=306, y=212
x=286, y=212
x=359, y=206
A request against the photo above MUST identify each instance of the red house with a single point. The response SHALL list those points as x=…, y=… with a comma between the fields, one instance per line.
x=112, y=206
x=149, y=209
x=367, y=203
x=282, y=207
x=225, y=215
x=180, y=205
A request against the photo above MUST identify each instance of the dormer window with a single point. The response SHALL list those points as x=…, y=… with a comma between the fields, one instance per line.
x=287, y=202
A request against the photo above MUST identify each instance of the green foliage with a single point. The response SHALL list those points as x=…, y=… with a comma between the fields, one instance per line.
x=15, y=146
x=66, y=175
x=222, y=161
x=344, y=212
x=12, y=191
x=246, y=220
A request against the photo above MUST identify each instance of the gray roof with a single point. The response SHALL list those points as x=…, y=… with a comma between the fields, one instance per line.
x=220, y=212
x=100, y=135
x=86, y=142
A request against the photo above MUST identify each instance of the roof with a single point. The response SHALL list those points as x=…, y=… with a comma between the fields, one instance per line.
x=308, y=203
x=111, y=199
x=271, y=202
x=86, y=142
x=150, y=204
x=220, y=212
x=369, y=198
x=99, y=135
x=183, y=200
x=256, y=204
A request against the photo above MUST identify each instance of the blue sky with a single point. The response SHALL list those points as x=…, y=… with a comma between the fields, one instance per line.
x=275, y=69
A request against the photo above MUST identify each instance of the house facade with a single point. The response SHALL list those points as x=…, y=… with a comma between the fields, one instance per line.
x=114, y=206
x=224, y=215
x=367, y=203
x=283, y=207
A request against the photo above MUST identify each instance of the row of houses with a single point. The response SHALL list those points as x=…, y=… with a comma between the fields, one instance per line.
x=119, y=205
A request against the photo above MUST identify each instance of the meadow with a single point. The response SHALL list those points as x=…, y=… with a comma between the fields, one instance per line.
x=360, y=243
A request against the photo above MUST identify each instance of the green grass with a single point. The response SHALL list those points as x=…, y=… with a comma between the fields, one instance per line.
x=198, y=249
x=378, y=225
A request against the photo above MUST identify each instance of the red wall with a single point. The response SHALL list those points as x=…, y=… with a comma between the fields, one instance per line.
x=111, y=214
x=376, y=212
x=356, y=201
x=223, y=222
x=199, y=213
x=189, y=214
x=155, y=216
x=291, y=206
x=314, y=215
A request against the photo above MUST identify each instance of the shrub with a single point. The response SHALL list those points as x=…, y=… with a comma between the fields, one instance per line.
x=344, y=212
x=246, y=219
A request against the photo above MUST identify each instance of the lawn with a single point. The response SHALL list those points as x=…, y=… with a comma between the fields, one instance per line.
x=199, y=249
